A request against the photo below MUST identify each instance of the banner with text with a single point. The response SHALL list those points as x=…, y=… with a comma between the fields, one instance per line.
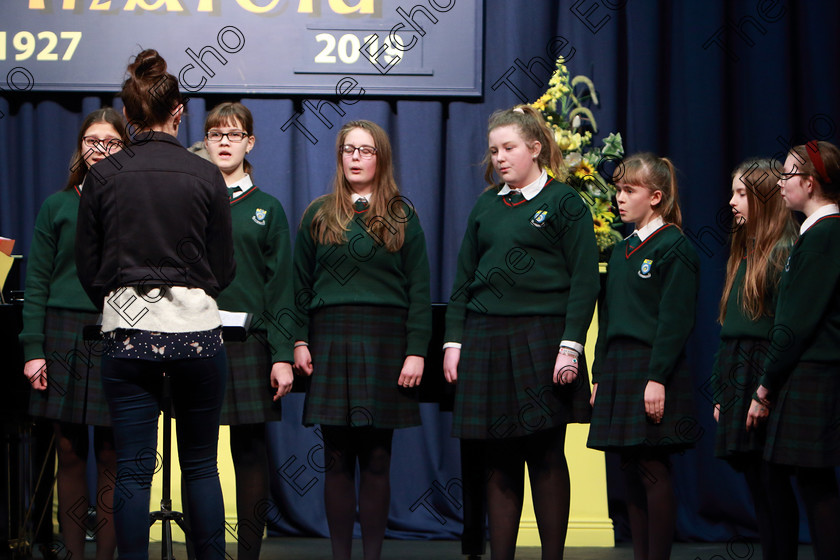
x=381, y=47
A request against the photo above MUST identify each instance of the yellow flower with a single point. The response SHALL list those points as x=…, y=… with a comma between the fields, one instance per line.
x=599, y=223
x=540, y=103
x=567, y=141
x=584, y=170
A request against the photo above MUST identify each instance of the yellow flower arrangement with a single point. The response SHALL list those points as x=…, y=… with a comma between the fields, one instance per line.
x=585, y=170
x=573, y=124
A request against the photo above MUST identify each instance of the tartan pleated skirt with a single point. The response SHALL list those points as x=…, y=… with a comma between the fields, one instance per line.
x=739, y=369
x=618, y=417
x=74, y=382
x=505, y=383
x=804, y=425
x=248, y=395
x=357, y=354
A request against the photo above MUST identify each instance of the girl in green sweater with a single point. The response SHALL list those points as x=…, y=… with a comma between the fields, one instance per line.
x=63, y=370
x=642, y=394
x=800, y=387
x=259, y=369
x=524, y=294
x=362, y=284
x=762, y=237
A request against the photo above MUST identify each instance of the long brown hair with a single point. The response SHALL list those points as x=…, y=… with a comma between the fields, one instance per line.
x=149, y=93
x=78, y=167
x=532, y=128
x=387, y=214
x=766, y=240
x=232, y=113
x=655, y=174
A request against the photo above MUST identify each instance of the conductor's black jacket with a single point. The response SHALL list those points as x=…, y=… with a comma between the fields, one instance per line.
x=154, y=215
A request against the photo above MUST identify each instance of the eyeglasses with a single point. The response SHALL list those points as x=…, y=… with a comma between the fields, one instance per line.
x=106, y=144
x=234, y=136
x=787, y=176
x=365, y=152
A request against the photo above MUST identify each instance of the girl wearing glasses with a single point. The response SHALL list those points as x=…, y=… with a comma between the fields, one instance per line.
x=799, y=392
x=259, y=369
x=60, y=367
x=153, y=250
x=524, y=293
x=362, y=281
x=762, y=236
x=642, y=391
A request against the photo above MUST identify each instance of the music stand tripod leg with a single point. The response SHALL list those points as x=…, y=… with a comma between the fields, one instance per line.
x=165, y=514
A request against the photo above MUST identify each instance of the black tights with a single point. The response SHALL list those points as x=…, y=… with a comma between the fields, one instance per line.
x=819, y=491
x=651, y=505
x=550, y=488
x=776, y=510
x=250, y=463
x=71, y=443
x=342, y=447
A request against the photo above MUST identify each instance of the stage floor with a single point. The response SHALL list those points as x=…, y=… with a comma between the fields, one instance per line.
x=319, y=549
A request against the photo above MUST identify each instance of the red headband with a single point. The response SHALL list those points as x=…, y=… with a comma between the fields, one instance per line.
x=816, y=159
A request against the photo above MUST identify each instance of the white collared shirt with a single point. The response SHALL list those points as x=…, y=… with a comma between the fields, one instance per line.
x=531, y=190
x=820, y=212
x=648, y=230
x=245, y=183
x=356, y=196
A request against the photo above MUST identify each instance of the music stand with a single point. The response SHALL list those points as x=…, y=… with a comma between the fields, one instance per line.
x=166, y=515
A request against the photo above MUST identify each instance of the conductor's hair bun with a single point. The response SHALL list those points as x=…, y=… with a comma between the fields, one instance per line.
x=149, y=93
x=147, y=65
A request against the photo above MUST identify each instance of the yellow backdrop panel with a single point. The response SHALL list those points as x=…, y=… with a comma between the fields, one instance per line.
x=589, y=520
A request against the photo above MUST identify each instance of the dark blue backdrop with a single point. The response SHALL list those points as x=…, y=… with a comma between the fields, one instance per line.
x=705, y=83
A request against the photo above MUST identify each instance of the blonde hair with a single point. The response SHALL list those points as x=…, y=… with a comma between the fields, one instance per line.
x=655, y=174
x=532, y=128
x=387, y=219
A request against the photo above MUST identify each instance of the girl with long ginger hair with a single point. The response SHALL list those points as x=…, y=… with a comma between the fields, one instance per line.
x=763, y=234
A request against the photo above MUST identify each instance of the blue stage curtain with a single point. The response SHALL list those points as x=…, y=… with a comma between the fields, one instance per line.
x=705, y=83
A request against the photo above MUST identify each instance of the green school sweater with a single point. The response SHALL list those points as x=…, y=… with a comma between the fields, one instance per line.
x=538, y=257
x=651, y=297
x=263, y=283
x=807, y=322
x=363, y=272
x=737, y=324
x=51, y=279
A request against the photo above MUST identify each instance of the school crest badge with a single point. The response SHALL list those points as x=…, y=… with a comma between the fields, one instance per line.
x=539, y=218
x=259, y=216
x=644, y=271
